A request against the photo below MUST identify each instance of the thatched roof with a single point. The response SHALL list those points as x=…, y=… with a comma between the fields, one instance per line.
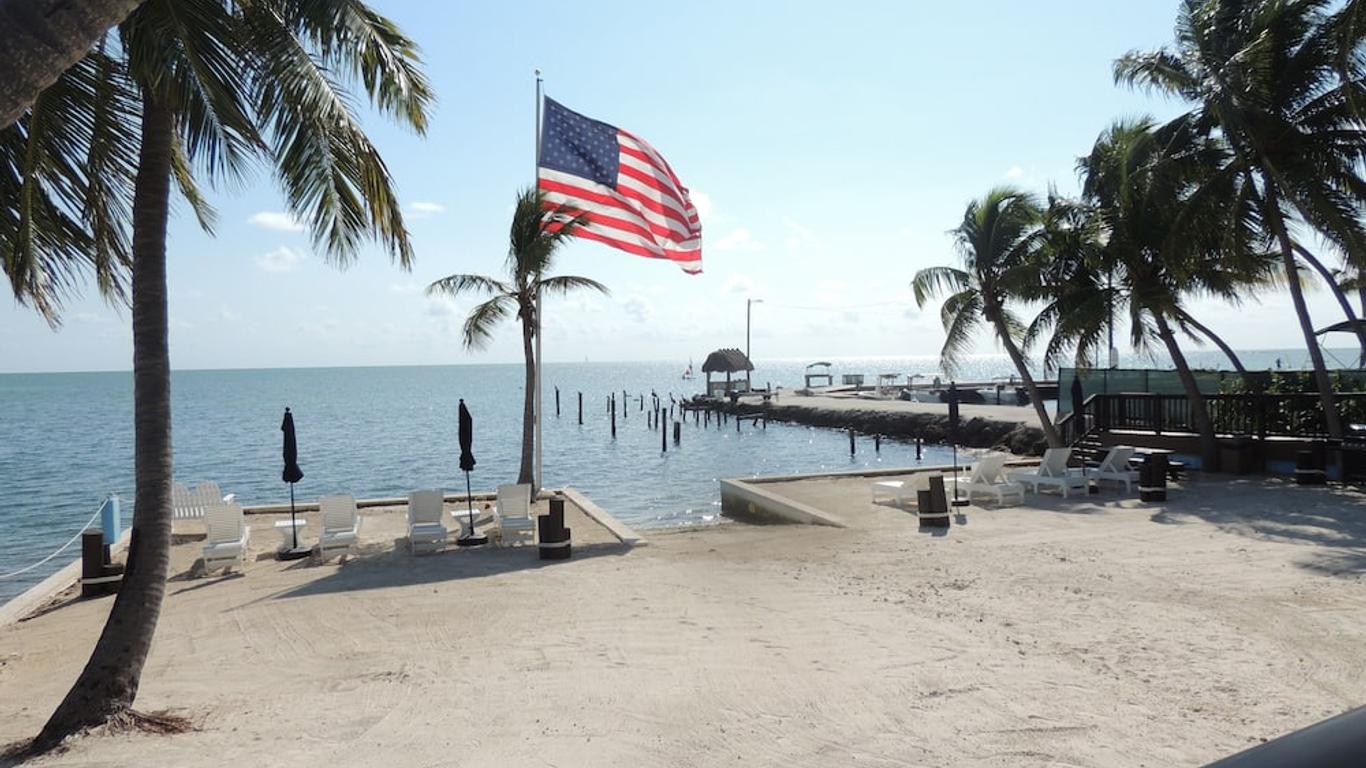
x=727, y=361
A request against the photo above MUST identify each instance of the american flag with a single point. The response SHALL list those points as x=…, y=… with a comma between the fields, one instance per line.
x=631, y=197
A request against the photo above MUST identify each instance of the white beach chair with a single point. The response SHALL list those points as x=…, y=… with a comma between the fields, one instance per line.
x=425, y=530
x=513, y=513
x=341, y=525
x=1052, y=471
x=988, y=479
x=226, y=542
x=187, y=504
x=906, y=493
x=1115, y=466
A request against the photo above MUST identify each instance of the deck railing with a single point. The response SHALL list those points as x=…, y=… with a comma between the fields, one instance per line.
x=1243, y=415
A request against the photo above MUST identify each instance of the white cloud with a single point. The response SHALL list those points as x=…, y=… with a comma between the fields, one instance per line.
x=738, y=240
x=282, y=259
x=641, y=309
x=1015, y=172
x=409, y=287
x=738, y=283
x=702, y=202
x=422, y=210
x=442, y=306
x=276, y=220
x=798, y=235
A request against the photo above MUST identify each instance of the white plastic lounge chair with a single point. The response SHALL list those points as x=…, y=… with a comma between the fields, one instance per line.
x=425, y=531
x=905, y=494
x=341, y=525
x=988, y=479
x=1053, y=472
x=187, y=504
x=226, y=542
x=513, y=513
x=1115, y=466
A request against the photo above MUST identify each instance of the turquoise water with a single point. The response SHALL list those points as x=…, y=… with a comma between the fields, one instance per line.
x=66, y=439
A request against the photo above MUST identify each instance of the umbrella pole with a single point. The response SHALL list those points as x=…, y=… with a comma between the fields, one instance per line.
x=293, y=524
x=473, y=539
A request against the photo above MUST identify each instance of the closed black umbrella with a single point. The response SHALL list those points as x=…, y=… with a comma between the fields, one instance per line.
x=467, y=465
x=291, y=474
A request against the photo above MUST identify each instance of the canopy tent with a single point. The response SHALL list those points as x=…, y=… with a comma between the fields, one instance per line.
x=727, y=361
x=815, y=375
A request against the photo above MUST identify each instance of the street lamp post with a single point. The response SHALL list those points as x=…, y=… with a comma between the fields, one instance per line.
x=749, y=304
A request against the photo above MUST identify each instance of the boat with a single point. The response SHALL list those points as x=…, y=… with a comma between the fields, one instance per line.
x=687, y=373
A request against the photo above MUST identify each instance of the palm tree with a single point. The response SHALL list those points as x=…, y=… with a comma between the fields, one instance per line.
x=538, y=230
x=41, y=39
x=66, y=170
x=1167, y=227
x=222, y=84
x=1280, y=81
x=996, y=243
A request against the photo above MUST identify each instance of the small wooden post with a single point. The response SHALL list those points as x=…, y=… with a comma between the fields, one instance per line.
x=557, y=402
x=580, y=409
x=877, y=443
x=737, y=424
x=706, y=418
x=663, y=438
x=917, y=449
x=695, y=417
x=614, y=418
x=642, y=403
x=851, y=442
x=678, y=432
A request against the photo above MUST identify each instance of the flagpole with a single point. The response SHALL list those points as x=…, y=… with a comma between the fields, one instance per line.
x=534, y=183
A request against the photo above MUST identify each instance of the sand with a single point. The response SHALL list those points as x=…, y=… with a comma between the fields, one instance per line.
x=1094, y=632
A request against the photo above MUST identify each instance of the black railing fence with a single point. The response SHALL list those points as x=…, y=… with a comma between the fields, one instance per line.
x=1245, y=415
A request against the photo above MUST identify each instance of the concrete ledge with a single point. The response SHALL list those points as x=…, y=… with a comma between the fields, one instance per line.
x=745, y=500
x=624, y=533
x=36, y=597
x=312, y=506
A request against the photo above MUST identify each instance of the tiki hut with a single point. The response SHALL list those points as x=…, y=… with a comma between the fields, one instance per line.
x=727, y=361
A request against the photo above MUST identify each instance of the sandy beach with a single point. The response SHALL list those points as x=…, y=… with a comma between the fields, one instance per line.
x=1093, y=632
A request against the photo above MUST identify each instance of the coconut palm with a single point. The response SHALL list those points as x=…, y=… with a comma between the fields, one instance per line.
x=1167, y=227
x=1280, y=81
x=224, y=84
x=66, y=167
x=41, y=39
x=537, y=232
x=996, y=243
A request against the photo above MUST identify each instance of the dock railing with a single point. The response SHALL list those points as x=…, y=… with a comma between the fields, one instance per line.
x=1296, y=415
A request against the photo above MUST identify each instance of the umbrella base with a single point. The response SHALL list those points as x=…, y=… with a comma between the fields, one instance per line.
x=472, y=541
x=295, y=553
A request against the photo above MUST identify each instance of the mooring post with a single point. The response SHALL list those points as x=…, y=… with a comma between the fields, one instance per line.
x=917, y=448
x=695, y=417
x=642, y=402
x=851, y=442
x=614, y=417
x=877, y=443
x=580, y=409
x=678, y=432
x=557, y=402
x=663, y=439
x=737, y=423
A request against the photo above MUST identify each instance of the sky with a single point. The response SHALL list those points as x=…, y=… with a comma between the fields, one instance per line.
x=829, y=149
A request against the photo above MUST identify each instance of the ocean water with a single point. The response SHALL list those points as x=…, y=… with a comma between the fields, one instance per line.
x=66, y=440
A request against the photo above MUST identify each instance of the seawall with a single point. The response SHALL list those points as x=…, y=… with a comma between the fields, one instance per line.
x=1005, y=427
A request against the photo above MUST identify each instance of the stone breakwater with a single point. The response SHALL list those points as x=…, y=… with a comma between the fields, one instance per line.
x=978, y=427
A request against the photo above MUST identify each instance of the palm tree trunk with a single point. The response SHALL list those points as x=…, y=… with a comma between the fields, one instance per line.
x=1209, y=445
x=1338, y=294
x=526, y=473
x=41, y=39
x=1332, y=419
x=1218, y=342
x=1050, y=432
x=109, y=683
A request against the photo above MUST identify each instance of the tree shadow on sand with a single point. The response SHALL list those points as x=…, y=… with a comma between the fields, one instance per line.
x=1331, y=518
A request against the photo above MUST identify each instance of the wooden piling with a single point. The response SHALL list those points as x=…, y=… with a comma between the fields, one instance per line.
x=557, y=402
x=614, y=417
x=917, y=449
x=678, y=432
x=877, y=443
x=851, y=442
x=663, y=439
x=580, y=409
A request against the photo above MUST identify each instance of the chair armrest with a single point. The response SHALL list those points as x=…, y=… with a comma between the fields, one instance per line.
x=230, y=498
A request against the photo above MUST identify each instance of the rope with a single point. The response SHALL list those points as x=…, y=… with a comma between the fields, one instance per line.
x=62, y=549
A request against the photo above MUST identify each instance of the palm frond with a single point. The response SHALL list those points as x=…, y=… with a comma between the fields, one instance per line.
x=455, y=285
x=563, y=284
x=478, y=328
x=934, y=281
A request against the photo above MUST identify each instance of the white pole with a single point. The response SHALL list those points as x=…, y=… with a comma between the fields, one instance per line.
x=536, y=486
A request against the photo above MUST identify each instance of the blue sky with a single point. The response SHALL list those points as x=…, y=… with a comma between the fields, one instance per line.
x=829, y=148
